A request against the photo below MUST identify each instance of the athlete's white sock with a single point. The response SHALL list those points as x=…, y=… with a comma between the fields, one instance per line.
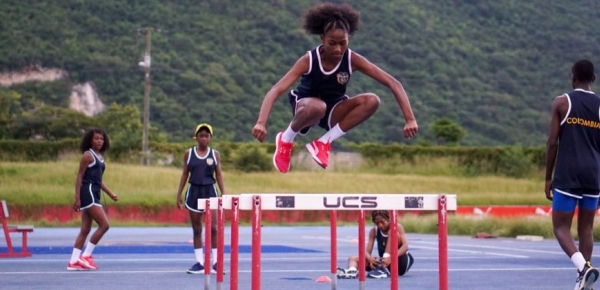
x=352, y=269
x=288, y=135
x=213, y=256
x=89, y=249
x=199, y=255
x=332, y=134
x=578, y=260
x=75, y=255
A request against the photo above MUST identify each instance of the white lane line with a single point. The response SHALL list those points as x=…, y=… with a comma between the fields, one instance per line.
x=282, y=271
x=511, y=249
x=475, y=252
x=321, y=258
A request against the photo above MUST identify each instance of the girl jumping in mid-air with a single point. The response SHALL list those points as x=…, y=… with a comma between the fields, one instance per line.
x=320, y=98
x=379, y=266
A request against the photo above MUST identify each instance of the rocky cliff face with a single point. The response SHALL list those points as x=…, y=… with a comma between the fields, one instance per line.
x=32, y=73
x=83, y=98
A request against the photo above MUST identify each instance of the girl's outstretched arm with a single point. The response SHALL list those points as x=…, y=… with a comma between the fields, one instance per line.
x=300, y=67
x=360, y=63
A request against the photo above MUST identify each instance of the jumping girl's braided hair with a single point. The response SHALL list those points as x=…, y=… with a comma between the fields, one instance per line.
x=382, y=213
x=327, y=16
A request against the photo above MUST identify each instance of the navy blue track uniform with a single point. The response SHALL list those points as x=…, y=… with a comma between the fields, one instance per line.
x=202, y=178
x=577, y=167
x=405, y=261
x=89, y=192
x=329, y=86
x=578, y=160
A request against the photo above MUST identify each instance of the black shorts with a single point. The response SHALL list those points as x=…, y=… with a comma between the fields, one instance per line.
x=404, y=263
x=194, y=192
x=89, y=195
x=325, y=121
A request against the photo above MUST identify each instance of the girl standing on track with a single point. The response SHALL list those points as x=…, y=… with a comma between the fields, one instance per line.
x=202, y=165
x=87, y=198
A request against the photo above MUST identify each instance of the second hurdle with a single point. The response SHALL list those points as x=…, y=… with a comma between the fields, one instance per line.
x=442, y=203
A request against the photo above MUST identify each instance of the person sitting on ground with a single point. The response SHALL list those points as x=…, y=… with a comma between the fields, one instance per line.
x=379, y=266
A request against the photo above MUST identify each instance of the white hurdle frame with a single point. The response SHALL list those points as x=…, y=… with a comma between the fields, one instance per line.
x=442, y=203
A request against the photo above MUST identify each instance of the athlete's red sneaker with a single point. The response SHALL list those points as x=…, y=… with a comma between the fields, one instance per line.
x=319, y=151
x=283, y=154
x=77, y=266
x=88, y=261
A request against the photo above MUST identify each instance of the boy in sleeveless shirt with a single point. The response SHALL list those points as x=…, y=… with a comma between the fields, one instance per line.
x=573, y=169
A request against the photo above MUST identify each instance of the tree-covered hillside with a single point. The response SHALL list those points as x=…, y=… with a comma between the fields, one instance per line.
x=492, y=66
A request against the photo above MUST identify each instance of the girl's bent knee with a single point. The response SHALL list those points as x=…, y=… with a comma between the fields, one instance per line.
x=372, y=100
x=104, y=228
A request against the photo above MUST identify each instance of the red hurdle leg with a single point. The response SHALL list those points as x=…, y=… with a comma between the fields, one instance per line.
x=220, y=243
x=235, y=230
x=256, y=247
x=207, y=245
x=361, y=250
x=393, y=234
x=333, y=229
x=443, y=242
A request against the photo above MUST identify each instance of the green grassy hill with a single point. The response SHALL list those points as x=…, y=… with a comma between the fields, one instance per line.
x=491, y=66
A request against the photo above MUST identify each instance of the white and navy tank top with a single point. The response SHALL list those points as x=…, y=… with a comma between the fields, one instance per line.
x=93, y=174
x=326, y=85
x=202, y=168
x=578, y=160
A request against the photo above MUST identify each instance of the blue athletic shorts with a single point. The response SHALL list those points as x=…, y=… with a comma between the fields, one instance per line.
x=567, y=199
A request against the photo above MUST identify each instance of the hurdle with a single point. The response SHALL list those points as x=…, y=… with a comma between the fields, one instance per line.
x=442, y=203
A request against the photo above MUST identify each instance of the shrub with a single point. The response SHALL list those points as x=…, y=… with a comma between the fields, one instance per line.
x=252, y=158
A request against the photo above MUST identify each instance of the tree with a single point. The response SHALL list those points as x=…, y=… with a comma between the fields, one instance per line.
x=9, y=110
x=447, y=131
x=123, y=125
x=52, y=123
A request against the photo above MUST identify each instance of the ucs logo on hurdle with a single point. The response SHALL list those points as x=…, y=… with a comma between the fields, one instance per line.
x=350, y=202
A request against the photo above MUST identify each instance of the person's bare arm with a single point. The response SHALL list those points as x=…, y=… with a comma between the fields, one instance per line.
x=359, y=63
x=402, y=240
x=218, y=174
x=112, y=195
x=370, y=244
x=182, y=179
x=300, y=67
x=388, y=246
x=557, y=112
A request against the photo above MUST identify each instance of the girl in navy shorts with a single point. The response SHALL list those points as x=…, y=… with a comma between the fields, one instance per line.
x=202, y=169
x=87, y=198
